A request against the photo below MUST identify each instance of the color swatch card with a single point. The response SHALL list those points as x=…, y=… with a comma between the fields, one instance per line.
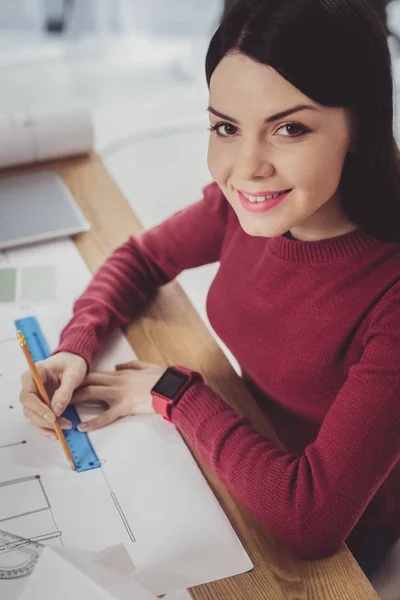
x=30, y=284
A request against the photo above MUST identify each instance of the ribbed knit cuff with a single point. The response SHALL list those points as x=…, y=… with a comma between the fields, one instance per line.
x=86, y=345
x=198, y=403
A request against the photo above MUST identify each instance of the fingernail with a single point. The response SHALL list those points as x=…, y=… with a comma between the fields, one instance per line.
x=83, y=427
x=49, y=417
x=65, y=424
x=58, y=408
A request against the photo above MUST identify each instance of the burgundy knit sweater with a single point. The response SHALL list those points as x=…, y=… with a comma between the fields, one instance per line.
x=315, y=327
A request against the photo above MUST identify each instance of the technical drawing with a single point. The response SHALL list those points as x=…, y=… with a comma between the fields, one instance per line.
x=22, y=497
x=18, y=556
x=26, y=514
x=25, y=509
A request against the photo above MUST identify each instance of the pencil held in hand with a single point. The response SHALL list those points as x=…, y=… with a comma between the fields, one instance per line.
x=43, y=394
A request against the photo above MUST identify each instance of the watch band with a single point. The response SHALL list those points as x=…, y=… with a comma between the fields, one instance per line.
x=163, y=403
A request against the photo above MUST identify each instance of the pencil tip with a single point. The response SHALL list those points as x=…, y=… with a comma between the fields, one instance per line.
x=73, y=467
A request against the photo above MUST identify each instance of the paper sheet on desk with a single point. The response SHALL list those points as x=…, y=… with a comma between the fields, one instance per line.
x=67, y=574
x=71, y=573
x=149, y=493
x=178, y=595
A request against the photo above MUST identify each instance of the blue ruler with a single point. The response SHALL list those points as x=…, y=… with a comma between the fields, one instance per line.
x=79, y=443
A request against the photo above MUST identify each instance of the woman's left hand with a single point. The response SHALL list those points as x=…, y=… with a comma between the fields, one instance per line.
x=126, y=391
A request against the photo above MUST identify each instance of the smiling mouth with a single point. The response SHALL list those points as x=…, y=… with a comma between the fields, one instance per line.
x=261, y=197
x=261, y=204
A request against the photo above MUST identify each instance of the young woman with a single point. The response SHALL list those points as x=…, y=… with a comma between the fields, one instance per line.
x=304, y=218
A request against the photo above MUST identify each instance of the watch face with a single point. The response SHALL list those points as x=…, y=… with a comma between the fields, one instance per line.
x=170, y=383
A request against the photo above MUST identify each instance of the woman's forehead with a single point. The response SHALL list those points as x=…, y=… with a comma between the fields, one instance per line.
x=240, y=76
x=241, y=87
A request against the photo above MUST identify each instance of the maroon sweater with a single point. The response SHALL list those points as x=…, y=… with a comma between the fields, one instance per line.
x=315, y=327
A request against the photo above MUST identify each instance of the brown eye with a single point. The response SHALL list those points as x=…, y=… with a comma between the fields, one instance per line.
x=224, y=129
x=294, y=129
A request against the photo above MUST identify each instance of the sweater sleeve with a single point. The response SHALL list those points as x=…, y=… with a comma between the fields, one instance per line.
x=132, y=274
x=313, y=501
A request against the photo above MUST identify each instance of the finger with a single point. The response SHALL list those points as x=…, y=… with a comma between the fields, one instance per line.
x=103, y=378
x=92, y=393
x=37, y=419
x=33, y=402
x=27, y=381
x=137, y=365
x=106, y=418
x=62, y=396
x=45, y=432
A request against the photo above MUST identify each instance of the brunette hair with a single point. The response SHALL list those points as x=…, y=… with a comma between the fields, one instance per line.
x=336, y=53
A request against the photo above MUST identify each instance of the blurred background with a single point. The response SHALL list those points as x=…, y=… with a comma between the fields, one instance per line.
x=139, y=67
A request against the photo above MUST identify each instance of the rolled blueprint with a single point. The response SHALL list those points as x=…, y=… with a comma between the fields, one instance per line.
x=36, y=136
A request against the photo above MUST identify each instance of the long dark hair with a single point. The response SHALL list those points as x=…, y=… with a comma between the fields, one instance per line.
x=336, y=53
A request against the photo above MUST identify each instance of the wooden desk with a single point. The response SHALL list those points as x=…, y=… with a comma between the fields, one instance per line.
x=170, y=331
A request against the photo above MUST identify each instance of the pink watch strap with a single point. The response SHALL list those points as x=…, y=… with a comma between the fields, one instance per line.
x=163, y=405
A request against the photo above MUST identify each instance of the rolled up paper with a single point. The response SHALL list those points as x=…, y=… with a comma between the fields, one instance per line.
x=37, y=136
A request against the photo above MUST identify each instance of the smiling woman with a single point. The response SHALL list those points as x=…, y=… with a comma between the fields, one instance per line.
x=304, y=218
x=252, y=157
x=337, y=152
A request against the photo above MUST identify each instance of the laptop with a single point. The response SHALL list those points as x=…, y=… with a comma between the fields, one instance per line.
x=35, y=207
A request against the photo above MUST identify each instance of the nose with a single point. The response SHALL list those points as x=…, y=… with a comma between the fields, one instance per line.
x=253, y=162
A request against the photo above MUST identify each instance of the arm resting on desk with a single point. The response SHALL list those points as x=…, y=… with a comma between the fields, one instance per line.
x=311, y=502
x=133, y=273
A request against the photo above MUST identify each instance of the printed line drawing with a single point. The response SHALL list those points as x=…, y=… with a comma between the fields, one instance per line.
x=26, y=514
x=18, y=556
x=13, y=444
x=124, y=519
x=118, y=507
x=24, y=499
x=24, y=494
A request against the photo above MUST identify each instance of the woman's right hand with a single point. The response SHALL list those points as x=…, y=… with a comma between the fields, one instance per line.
x=61, y=374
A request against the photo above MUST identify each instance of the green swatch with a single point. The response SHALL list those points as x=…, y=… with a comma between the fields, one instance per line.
x=8, y=285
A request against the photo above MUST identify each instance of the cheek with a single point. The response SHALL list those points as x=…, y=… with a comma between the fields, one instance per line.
x=320, y=170
x=218, y=161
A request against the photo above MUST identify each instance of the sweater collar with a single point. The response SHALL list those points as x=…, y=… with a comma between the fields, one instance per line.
x=322, y=251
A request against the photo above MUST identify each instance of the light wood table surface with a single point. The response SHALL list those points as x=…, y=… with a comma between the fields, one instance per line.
x=170, y=331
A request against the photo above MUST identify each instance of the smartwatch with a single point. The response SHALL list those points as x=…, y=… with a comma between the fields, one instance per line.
x=170, y=388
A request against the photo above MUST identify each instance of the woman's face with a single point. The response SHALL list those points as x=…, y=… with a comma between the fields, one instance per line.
x=255, y=152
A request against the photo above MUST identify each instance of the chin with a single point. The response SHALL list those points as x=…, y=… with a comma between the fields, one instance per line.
x=257, y=229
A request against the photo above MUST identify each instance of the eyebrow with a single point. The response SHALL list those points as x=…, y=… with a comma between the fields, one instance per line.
x=270, y=119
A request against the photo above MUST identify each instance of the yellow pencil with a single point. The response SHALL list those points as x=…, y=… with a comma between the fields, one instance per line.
x=44, y=396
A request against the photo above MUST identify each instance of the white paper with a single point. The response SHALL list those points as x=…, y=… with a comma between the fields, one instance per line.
x=70, y=574
x=178, y=595
x=149, y=493
x=37, y=135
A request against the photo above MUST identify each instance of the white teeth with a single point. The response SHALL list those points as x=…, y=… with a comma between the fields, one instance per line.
x=261, y=198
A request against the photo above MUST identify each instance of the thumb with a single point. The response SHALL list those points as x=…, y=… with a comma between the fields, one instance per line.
x=62, y=396
x=137, y=365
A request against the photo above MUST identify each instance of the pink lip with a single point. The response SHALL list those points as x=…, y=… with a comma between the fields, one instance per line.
x=261, y=206
x=267, y=193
